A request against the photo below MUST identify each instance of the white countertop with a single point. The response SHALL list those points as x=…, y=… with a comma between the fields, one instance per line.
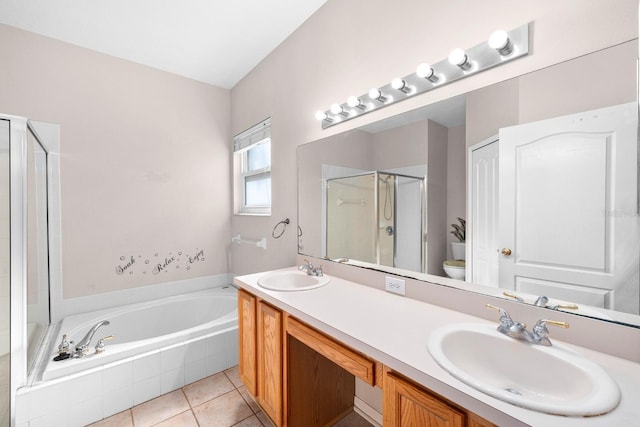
x=394, y=330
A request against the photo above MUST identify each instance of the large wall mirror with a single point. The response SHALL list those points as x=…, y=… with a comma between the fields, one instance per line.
x=526, y=189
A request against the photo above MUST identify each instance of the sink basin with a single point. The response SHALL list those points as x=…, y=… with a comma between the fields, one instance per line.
x=291, y=281
x=553, y=380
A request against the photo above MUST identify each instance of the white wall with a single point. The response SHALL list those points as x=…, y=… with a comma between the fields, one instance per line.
x=144, y=160
x=348, y=47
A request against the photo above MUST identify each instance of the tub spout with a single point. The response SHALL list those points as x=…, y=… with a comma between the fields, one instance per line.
x=82, y=347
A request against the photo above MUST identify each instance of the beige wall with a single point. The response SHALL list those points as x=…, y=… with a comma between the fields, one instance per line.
x=436, y=198
x=456, y=181
x=144, y=159
x=401, y=147
x=337, y=53
x=598, y=80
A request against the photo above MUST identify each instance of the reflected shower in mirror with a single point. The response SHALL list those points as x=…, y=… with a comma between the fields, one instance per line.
x=543, y=169
x=375, y=217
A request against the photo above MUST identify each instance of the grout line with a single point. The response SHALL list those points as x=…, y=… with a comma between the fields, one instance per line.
x=193, y=414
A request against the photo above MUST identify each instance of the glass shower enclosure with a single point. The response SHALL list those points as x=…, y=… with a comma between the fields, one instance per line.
x=24, y=255
x=376, y=217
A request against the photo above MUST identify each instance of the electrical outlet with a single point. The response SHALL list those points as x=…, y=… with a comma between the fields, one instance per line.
x=394, y=285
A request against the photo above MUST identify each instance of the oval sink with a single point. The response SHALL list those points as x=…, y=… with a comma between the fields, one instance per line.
x=291, y=281
x=552, y=379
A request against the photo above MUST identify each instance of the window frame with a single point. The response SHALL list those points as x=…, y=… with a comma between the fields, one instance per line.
x=246, y=173
x=243, y=143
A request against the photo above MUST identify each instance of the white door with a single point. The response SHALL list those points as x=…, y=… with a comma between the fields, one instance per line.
x=482, y=229
x=568, y=208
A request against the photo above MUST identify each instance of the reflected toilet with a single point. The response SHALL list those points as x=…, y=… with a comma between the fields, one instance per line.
x=454, y=268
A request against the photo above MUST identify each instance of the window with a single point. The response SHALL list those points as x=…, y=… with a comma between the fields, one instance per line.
x=252, y=170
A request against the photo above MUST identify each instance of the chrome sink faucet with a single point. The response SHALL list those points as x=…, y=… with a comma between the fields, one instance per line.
x=542, y=301
x=82, y=347
x=310, y=269
x=539, y=334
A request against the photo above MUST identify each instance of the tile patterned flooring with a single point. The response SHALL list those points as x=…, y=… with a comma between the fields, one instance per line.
x=220, y=400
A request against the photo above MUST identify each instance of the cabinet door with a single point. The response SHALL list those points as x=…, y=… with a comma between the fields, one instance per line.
x=476, y=421
x=247, y=340
x=408, y=405
x=270, y=361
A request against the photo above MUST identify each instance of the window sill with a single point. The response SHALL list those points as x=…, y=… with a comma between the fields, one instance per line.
x=252, y=214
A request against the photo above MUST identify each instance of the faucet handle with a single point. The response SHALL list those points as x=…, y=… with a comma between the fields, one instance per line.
x=514, y=296
x=502, y=311
x=100, y=345
x=543, y=322
x=540, y=332
x=505, y=319
x=64, y=345
x=563, y=306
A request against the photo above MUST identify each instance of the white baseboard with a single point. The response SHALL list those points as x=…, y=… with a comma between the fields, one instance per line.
x=367, y=412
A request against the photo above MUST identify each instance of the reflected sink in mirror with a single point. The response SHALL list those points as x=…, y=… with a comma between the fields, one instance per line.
x=291, y=281
x=553, y=380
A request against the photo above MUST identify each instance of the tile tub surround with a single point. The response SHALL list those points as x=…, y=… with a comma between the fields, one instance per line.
x=395, y=330
x=98, y=393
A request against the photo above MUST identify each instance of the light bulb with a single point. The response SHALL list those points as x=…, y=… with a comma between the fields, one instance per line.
x=459, y=58
x=336, y=109
x=355, y=102
x=426, y=72
x=400, y=84
x=321, y=115
x=376, y=95
x=499, y=40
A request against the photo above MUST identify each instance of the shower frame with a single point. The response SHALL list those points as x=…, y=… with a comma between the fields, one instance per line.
x=19, y=128
x=376, y=195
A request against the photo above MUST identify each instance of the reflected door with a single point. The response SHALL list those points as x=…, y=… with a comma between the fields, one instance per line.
x=567, y=219
x=484, y=215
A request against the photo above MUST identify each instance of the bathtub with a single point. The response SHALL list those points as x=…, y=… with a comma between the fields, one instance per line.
x=157, y=347
x=145, y=327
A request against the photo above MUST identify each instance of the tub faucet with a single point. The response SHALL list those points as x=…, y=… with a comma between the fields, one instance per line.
x=82, y=347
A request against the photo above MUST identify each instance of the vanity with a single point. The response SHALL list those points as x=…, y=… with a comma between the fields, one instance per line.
x=300, y=352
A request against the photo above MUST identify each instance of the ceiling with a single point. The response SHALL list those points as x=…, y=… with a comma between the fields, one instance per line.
x=212, y=41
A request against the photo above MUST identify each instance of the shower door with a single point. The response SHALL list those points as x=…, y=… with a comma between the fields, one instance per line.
x=24, y=255
x=5, y=395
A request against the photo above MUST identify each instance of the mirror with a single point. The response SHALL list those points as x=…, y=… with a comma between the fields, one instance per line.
x=576, y=191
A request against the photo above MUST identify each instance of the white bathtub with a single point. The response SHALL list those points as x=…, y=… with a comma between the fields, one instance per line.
x=144, y=327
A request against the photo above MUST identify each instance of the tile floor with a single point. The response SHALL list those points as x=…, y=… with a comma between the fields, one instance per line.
x=220, y=400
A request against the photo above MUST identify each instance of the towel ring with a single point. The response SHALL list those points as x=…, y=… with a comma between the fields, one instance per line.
x=284, y=223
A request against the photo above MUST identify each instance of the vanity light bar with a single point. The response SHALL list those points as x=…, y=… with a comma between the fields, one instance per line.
x=502, y=47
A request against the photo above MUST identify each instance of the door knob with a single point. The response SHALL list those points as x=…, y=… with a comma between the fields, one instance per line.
x=506, y=251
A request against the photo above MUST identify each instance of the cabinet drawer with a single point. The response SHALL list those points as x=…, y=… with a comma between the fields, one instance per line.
x=351, y=361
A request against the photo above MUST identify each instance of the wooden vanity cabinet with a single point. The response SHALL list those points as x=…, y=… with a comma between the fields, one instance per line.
x=303, y=377
x=247, y=341
x=260, y=353
x=269, y=354
x=407, y=404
